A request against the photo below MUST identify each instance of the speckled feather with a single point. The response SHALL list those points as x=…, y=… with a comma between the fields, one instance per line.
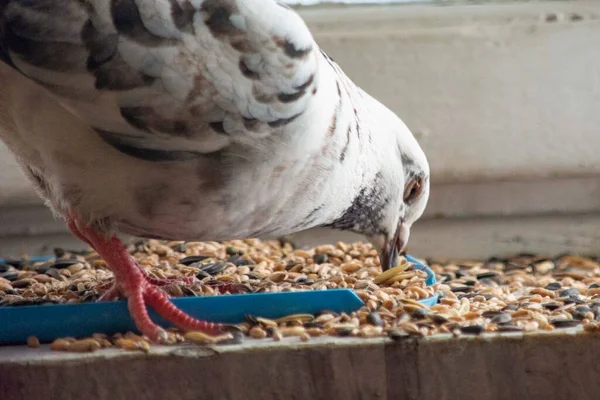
x=198, y=120
x=169, y=77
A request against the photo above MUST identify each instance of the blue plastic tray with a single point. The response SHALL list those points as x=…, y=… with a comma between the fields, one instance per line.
x=78, y=320
x=429, y=281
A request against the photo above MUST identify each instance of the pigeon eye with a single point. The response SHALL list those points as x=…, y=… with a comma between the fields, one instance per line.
x=413, y=190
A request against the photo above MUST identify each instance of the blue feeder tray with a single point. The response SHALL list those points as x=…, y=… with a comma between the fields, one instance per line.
x=48, y=322
x=431, y=301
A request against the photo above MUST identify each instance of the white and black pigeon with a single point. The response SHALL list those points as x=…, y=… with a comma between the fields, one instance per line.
x=197, y=120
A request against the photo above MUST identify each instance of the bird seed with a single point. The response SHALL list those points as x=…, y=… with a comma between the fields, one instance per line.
x=525, y=293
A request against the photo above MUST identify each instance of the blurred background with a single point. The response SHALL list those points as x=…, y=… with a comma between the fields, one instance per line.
x=504, y=97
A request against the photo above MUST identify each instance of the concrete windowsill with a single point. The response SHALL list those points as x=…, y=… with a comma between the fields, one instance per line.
x=512, y=366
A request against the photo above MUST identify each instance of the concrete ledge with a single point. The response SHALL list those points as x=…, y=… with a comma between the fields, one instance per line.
x=554, y=366
x=475, y=238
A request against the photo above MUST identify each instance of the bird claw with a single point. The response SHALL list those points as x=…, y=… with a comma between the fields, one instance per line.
x=161, y=335
x=186, y=281
x=113, y=292
x=139, y=289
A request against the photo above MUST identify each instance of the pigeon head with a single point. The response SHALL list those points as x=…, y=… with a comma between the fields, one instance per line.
x=403, y=186
x=387, y=205
x=404, y=192
x=410, y=194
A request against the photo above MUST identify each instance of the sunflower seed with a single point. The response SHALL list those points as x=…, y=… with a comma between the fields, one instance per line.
x=501, y=318
x=472, y=329
x=64, y=263
x=192, y=259
x=565, y=323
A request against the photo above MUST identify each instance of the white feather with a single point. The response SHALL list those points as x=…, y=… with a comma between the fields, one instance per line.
x=273, y=180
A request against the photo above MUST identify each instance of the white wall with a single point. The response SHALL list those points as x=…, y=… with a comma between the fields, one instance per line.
x=494, y=92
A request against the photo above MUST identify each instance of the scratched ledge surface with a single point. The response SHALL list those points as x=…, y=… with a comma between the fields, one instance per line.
x=557, y=365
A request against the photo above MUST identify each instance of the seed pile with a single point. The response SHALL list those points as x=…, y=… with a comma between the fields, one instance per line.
x=247, y=266
x=526, y=293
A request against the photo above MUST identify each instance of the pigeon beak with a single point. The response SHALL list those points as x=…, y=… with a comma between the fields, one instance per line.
x=393, y=247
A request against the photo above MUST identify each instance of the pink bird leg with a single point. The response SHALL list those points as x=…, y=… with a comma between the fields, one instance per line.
x=138, y=288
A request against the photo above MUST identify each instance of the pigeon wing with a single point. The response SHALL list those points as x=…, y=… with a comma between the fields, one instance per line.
x=167, y=79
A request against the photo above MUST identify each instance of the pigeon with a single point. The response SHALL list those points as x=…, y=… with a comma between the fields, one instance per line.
x=197, y=120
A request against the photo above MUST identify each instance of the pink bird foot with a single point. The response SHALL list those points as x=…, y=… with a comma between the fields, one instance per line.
x=138, y=288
